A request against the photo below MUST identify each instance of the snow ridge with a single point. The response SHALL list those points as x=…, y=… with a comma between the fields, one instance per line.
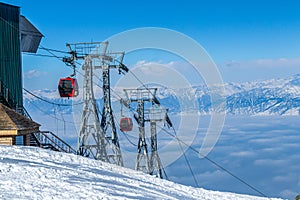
x=270, y=97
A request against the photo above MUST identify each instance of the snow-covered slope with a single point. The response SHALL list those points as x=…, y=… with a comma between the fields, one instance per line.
x=33, y=173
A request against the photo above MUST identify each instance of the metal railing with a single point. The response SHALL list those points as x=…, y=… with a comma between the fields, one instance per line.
x=48, y=140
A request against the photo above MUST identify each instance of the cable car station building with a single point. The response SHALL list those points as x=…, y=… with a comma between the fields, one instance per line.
x=17, y=35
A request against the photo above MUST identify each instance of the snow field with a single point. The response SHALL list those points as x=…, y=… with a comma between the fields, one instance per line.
x=34, y=173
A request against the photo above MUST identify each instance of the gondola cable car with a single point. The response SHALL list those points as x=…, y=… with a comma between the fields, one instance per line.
x=68, y=87
x=126, y=124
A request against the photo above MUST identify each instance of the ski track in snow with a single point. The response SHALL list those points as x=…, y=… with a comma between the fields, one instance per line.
x=34, y=173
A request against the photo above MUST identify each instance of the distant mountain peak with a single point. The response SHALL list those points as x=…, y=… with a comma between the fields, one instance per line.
x=270, y=97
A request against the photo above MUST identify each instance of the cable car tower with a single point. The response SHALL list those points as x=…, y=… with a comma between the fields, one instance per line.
x=155, y=114
x=97, y=139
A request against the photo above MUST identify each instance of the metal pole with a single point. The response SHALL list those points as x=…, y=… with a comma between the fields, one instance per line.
x=142, y=151
x=155, y=163
x=90, y=129
x=108, y=122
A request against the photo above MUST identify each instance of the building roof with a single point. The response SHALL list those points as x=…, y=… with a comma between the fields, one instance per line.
x=10, y=120
x=9, y=5
x=30, y=36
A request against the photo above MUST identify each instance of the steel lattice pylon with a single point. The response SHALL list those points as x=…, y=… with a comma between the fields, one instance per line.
x=153, y=165
x=91, y=139
x=107, y=121
x=96, y=139
x=156, y=114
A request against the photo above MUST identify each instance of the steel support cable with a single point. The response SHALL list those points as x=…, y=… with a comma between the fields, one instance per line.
x=54, y=117
x=179, y=141
x=124, y=133
x=188, y=163
x=55, y=56
x=166, y=176
x=117, y=96
x=214, y=162
x=139, y=80
x=51, y=56
x=56, y=122
x=55, y=50
x=132, y=111
x=60, y=51
x=193, y=149
x=130, y=108
x=133, y=144
x=63, y=118
x=49, y=51
x=59, y=58
x=41, y=55
x=57, y=104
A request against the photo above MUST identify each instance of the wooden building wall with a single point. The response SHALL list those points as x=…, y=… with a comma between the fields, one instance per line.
x=10, y=56
x=9, y=140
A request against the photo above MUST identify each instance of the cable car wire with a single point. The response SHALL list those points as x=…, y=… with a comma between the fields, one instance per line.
x=124, y=133
x=54, y=50
x=133, y=144
x=207, y=158
x=213, y=162
x=63, y=118
x=54, y=117
x=50, y=51
x=53, y=55
x=188, y=163
x=53, y=103
x=180, y=141
x=115, y=94
x=40, y=55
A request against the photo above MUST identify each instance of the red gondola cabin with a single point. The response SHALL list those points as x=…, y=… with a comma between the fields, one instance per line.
x=126, y=124
x=68, y=87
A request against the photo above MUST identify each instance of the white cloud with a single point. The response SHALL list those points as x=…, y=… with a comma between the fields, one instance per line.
x=264, y=140
x=243, y=154
x=164, y=74
x=33, y=74
x=281, y=62
x=288, y=193
x=272, y=149
x=232, y=63
x=154, y=68
x=264, y=63
x=269, y=162
x=213, y=174
x=288, y=178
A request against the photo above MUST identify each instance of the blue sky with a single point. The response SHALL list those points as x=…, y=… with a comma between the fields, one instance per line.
x=238, y=35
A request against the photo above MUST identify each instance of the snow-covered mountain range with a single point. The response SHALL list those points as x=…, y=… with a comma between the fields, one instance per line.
x=270, y=97
x=34, y=173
